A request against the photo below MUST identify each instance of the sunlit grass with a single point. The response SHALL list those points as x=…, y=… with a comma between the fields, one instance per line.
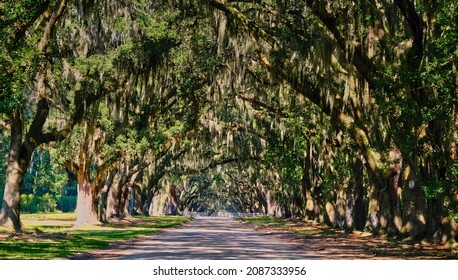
x=265, y=221
x=50, y=236
x=49, y=216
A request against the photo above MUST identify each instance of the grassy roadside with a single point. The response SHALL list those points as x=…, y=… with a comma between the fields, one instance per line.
x=355, y=245
x=50, y=236
x=295, y=226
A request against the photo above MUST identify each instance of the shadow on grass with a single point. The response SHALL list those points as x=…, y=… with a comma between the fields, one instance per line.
x=322, y=239
x=54, y=241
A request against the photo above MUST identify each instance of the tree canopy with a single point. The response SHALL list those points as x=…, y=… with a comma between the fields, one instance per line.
x=343, y=112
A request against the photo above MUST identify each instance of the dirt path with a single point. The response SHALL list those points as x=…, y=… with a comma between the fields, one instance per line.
x=203, y=238
x=226, y=239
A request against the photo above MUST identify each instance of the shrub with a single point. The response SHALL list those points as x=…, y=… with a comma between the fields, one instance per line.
x=67, y=203
x=33, y=204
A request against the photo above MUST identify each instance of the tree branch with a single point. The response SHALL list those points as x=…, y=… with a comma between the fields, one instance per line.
x=276, y=111
x=22, y=29
x=415, y=25
x=358, y=56
x=227, y=161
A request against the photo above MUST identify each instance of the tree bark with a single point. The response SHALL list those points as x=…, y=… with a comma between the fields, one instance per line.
x=378, y=216
x=114, y=195
x=104, y=196
x=414, y=214
x=11, y=205
x=147, y=203
x=123, y=206
x=86, y=204
x=355, y=210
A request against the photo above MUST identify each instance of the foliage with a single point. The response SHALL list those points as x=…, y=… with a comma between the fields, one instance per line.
x=45, y=203
x=18, y=54
x=44, y=176
x=44, y=185
x=67, y=203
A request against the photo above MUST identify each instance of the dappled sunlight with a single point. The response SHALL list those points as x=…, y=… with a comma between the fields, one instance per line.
x=324, y=242
x=206, y=238
x=224, y=238
x=49, y=236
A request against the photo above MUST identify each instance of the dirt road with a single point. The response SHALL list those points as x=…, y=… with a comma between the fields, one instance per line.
x=212, y=238
x=203, y=238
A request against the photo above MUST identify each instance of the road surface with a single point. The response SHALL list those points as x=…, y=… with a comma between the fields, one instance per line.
x=207, y=238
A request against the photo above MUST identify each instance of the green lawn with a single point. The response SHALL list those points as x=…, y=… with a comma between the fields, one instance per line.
x=50, y=236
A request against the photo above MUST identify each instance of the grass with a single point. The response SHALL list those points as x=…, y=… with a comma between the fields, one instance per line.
x=295, y=226
x=51, y=236
x=265, y=221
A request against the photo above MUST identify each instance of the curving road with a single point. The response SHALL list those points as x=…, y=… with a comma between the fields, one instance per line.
x=203, y=238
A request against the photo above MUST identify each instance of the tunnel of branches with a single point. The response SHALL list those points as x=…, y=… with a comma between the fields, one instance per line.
x=339, y=112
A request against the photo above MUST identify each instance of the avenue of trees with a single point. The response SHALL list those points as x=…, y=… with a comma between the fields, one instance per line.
x=343, y=112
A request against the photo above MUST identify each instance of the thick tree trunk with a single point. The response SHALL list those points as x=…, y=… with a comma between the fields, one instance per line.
x=147, y=204
x=11, y=205
x=150, y=192
x=20, y=154
x=359, y=210
x=434, y=215
x=104, y=196
x=172, y=205
x=414, y=214
x=394, y=184
x=123, y=206
x=135, y=204
x=355, y=210
x=128, y=196
x=86, y=204
x=103, y=205
x=114, y=196
x=379, y=217
x=313, y=207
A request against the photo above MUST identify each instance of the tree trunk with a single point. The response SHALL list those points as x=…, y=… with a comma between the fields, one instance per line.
x=104, y=196
x=379, y=217
x=103, y=205
x=136, y=200
x=135, y=205
x=172, y=205
x=394, y=184
x=414, y=216
x=151, y=190
x=86, y=204
x=305, y=180
x=147, y=204
x=114, y=196
x=355, y=209
x=123, y=206
x=414, y=212
x=359, y=208
x=11, y=205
